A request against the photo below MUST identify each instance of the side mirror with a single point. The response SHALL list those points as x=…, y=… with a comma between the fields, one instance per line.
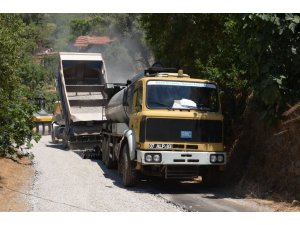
x=128, y=82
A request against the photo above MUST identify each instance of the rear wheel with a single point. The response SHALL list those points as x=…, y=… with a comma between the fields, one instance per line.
x=125, y=167
x=98, y=152
x=65, y=140
x=105, y=154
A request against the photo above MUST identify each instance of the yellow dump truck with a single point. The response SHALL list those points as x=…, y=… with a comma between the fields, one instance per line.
x=164, y=123
x=42, y=118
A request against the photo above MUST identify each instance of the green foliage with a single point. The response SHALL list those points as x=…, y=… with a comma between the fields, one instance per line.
x=41, y=32
x=91, y=25
x=37, y=31
x=271, y=46
x=32, y=74
x=15, y=111
x=244, y=53
x=16, y=122
x=61, y=38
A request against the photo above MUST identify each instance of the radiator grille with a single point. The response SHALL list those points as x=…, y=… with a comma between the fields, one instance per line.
x=160, y=129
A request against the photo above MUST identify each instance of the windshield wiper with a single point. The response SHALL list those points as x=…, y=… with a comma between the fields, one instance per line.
x=162, y=104
x=202, y=107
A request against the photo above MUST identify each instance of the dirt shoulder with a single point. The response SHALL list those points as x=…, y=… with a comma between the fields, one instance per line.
x=277, y=206
x=15, y=181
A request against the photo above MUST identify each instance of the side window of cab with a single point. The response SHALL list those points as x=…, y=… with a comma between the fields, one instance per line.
x=130, y=98
x=137, y=99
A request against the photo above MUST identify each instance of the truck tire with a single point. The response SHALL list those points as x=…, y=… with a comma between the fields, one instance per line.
x=53, y=138
x=65, y=140
x=105, y=154
x=125, y=167
x=98, y=152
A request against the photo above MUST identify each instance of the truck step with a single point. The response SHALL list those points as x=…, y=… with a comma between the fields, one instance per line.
x=88, y=103
x=85, y=88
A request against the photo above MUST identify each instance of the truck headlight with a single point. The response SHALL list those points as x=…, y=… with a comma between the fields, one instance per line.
x=213, y=158
x=217, y=158
x=156, y=158
x=153, y=157
x=220, y=158
x=148, y=158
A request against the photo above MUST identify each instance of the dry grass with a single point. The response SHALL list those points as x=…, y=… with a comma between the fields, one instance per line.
x=266, y=161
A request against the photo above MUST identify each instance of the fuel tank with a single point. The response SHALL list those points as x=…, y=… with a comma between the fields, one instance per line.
x=115, y=110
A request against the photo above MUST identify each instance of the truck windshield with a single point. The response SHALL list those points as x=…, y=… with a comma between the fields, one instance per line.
x=182, y=95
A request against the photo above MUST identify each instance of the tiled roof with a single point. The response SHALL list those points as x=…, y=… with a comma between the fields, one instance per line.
x=84, y=41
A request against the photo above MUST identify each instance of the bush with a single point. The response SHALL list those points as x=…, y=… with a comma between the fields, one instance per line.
x=16, y=126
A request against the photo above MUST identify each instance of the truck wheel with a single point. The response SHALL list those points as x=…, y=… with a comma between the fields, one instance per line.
x=129, y=174
x=98, y=152
x=65, y=140
x=54, y=139
x=65, y=143
x=212, y=177
x=105, y=154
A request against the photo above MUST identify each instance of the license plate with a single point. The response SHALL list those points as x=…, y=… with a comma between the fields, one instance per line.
x=160, y=146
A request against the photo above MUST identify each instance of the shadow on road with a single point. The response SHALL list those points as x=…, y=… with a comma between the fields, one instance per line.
x=56, y=146
x=161, y=186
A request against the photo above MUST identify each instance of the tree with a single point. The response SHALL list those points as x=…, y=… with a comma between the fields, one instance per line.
x=271, y=54
x=16, y=126
x=244, y=53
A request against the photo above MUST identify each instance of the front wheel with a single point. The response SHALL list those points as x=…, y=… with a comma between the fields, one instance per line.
x=105, y=154
x=54, y=139
x=125, y=167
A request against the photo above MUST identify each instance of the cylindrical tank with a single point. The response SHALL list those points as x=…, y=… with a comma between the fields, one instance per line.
x=115, y=111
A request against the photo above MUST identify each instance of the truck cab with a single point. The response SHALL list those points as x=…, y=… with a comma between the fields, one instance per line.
x=177, y=122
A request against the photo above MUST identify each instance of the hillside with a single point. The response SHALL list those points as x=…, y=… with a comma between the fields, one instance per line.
x=265, y=161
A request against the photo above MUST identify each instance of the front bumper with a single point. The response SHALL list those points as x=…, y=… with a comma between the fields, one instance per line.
x=181, y=158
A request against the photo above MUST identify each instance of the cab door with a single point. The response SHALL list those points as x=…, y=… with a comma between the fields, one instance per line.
x=137, y=107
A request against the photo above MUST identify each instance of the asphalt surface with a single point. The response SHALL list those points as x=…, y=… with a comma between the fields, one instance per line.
x=66, y=182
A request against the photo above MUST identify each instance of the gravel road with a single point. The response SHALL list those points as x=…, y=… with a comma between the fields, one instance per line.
x=66, y=182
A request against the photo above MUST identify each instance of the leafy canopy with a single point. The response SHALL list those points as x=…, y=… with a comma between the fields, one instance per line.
x=16, y=126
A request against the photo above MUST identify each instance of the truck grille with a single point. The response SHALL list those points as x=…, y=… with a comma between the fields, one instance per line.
x=161, y=129
x=179, y=172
